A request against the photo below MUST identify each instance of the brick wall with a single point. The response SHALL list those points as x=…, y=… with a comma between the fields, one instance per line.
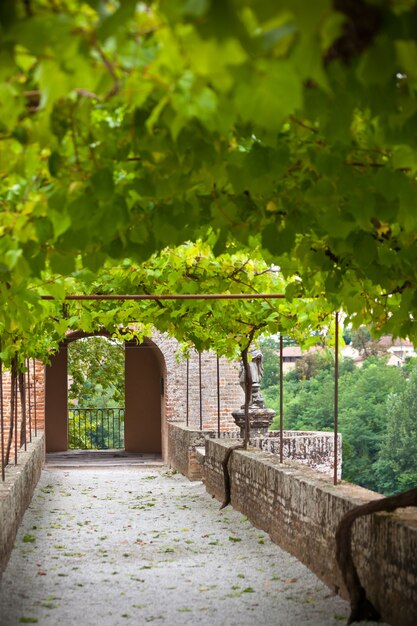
x=231, y=394
x=301, y=511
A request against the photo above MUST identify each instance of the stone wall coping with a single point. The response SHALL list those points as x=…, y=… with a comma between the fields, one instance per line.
x=190, y=429
x=301, y=433
x=12, y=471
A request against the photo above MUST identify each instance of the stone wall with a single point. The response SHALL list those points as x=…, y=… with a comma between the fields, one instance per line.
x=16, y=493
x=301, y=511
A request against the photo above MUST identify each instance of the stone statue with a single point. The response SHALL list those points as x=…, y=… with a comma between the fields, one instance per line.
x=257, y=371
x=260, y=418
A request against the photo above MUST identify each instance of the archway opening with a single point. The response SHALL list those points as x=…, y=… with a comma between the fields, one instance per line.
x=96, y=394
x=142, y=426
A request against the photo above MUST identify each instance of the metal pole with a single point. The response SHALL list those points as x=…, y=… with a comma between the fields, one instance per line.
x=23, y=421
x=108, y=429
x=336, y=395
x=176, y=296
x=3, y=471
x=218, y=397
x=281, y=405
x=29, y=400
x=188, y=391
x=201, y=394
x=15, y=397
x=34, y=397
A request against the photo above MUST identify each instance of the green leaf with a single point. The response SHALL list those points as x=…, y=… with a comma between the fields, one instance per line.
x=405, y=157
x=61, y=222
x=103, y=184
x=407, y=57
x=62, y=263
x=269, y=94
x=377, y=65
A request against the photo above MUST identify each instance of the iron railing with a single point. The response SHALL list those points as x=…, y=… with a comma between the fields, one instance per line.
x=96, y=428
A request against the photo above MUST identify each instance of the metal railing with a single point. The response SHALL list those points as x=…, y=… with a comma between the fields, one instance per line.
x=96, y=428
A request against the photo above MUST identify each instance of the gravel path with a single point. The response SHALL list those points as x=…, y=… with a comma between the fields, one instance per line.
x=124, y=546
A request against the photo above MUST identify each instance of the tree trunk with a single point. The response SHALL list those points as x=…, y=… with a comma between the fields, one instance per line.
x=246, y=436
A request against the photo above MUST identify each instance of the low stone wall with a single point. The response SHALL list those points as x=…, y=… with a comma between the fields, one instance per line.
x=182, y=444
x=16, y=493
x=301, y=510
x=315, y=449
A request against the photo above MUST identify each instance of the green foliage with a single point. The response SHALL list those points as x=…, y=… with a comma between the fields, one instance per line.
x=360, y=339
x=96, y=370
x=376, y=418
x=127, y=127
x=285, y=130
x=363, y=418
x=397, y=464
x=95, y=429
x=96, y=373
x=270, y=349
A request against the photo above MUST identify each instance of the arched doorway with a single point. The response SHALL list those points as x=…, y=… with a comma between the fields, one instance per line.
x=144, y=396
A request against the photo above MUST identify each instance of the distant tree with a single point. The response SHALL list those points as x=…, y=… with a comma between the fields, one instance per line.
x=363, y=418
x=96, y=372
x=360, y=340
x=347, y=335
x=397, y=464
x=311, y=363
x=269, y=347
x=363, y=342
x=270, y=350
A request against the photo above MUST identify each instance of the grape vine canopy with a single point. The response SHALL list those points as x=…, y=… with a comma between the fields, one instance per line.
x=286, y=129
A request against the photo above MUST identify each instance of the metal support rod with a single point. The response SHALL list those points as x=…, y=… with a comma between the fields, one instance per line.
x=336, y=396
x=175, y=296
x=218, y=397
x=3, y=470
x=29, y=400
x=281, y=405
x=15, y=398
x=201, y=394
x=188, y=392
x=34, y=397
x=23, y=421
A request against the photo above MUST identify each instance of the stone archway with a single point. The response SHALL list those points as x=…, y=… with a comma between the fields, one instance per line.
x=145, y=376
